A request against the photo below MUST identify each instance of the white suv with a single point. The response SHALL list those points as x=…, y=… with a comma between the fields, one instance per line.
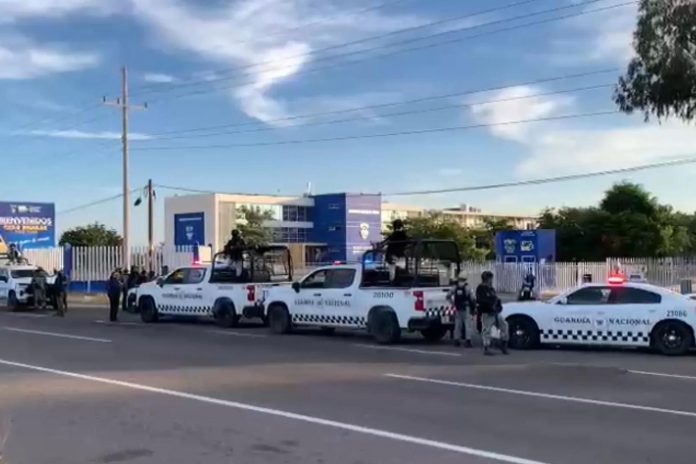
x=15, y=280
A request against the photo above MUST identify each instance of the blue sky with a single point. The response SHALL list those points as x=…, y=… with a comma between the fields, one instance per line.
x=258, y=62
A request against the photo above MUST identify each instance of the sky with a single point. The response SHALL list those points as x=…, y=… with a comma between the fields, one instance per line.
x=228, y=82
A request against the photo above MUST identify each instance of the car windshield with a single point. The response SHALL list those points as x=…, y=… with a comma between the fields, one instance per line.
x=22, y=273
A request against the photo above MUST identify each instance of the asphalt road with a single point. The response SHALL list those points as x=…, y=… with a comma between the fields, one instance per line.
x=79, y=390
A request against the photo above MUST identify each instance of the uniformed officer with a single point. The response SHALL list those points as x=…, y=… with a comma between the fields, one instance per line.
x=234, y=249
x=490, y=307
x=38, y=286
x=464, y=302
x=396, y=246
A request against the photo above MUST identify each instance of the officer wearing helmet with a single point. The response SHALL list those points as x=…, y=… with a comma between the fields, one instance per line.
x=234, y=249
x=462, y=298
x=490, y=307
x=396, y=246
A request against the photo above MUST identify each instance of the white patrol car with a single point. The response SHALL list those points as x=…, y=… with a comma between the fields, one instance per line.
x=15, y=280
x=362, y=296
x=215, y=290
x=626, y=314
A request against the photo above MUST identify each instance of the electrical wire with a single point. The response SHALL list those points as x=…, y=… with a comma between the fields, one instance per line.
x=440, y=22
x=96, y=202
x=461, y=93
x=381, y=135
x=391, y=115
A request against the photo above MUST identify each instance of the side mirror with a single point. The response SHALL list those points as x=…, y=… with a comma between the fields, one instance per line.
x=160, y=281
x=3, y=279
x=296, y=287
x=562, y=301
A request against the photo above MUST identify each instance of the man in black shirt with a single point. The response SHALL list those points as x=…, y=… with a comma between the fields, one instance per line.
x=234, y=249
x=490, y=307
x=396, y=246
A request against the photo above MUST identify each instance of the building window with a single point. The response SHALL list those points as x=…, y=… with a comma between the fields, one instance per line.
x=290, y=235
x=294, y=213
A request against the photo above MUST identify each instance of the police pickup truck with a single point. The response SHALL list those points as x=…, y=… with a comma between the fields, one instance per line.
x=216, y=289
x=618, y=313
x=363, y=296
x=15, y=283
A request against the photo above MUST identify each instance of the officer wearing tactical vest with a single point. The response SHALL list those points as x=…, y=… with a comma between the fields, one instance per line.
x=465, y=304
x=490, y=307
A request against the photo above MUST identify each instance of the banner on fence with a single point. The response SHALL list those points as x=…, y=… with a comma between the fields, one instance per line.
x=29, y=225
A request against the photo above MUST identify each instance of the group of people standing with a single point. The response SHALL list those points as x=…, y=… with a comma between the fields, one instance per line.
x=483, y=304
x=120, y=282
x=45, y=293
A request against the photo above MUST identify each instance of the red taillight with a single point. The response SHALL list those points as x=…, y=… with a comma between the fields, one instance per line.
x=419, y=304
x=616, y=279
x=251, y=293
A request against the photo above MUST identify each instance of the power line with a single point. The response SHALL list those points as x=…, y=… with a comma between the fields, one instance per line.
x=461, y=93
x=381, y=135
x=546, y=180
x=376, y=37
x=397, y=114
x=95, y=203
x=419, y=47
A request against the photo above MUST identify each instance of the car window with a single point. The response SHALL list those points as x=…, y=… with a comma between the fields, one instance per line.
x=589, y=296
x=340, y=278
x=175, y=278
x=315, y=280
x=194, y=275
x=23, y=273
x=628, y=295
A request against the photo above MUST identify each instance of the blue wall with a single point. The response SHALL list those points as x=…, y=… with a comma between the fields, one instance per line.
x=525, y=245
x=347, y=223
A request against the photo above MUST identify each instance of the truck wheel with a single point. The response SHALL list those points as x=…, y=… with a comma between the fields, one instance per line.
x=435, y=333
x=672, y=338
x=225, y=316
x=12, y=302
x=148, y=310
x=279, y=319
x=385, y=328
x=524, y=333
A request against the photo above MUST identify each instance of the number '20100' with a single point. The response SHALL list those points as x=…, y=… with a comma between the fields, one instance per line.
x=676, y=313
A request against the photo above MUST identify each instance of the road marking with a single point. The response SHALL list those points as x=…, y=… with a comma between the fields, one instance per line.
x=56, y=334
x=100, y=321
x=284, y=414
x=407, y=350
x=26, y=315
x=549, y=396
x=661, y=374
x=237, y=334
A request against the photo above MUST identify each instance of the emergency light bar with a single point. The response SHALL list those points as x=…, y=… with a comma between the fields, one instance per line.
x=616, y=279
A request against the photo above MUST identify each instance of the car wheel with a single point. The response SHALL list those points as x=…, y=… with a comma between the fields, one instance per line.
x=12, y=301
x=279, y=319
x=672, y=338
x=435, y=333
x=385, y=328
x=524, y=333
x=148, y=310
x=225, y=316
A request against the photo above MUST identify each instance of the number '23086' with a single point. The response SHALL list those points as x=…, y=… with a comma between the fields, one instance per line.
x=676, y=313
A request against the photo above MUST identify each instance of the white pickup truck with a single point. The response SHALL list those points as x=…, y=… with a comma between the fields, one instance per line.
x=15, y=283
x=362, y=296
x=215, y=290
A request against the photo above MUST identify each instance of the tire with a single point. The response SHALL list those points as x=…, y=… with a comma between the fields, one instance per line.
x=148, y=310
x=672, y=338
x=524, y=333
x=225, y=316
x=12, y=301
x=279, y=319
x=435, y=333
x=385, y=328
x=328, y=330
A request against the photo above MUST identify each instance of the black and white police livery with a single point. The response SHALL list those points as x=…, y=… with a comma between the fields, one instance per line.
x=618, y=313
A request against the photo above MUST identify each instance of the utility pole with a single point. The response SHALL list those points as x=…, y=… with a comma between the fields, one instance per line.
x=122, y=103
x=150, y=225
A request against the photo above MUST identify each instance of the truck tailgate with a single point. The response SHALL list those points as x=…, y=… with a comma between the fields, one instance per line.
x=435, y=303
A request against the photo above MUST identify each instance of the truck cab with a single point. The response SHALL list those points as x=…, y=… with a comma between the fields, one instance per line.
x=216, y=289
x=371, y=296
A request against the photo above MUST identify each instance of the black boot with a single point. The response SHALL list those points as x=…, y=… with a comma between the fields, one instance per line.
x=503, y=347
x=467, y=344
x=457, y=342
x=487, y=351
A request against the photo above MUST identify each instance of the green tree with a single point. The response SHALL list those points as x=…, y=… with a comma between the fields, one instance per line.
x=250, y=223
x=661, y=79
x=485, y=236
x=90, y=235
x=440, y=226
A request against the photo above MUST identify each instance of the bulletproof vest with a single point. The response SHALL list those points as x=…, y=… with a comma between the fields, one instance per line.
x=461, y=298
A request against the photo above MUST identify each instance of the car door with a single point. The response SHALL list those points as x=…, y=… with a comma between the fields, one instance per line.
x=337, y=298
x=576, y=318
x=194, y=301
x=308, y=305
x=630, y=316
x=4, y=284
x=170, y=294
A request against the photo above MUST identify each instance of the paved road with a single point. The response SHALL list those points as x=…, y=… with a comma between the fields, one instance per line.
x=78, y=390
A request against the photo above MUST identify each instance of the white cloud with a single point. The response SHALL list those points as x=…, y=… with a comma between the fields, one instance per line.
x=12, y=10
x=159, y=78
x=515, y=104
x=603, y=37
x=248, y=32
x=558, y=152
x=20, y=59
x=76, y=134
